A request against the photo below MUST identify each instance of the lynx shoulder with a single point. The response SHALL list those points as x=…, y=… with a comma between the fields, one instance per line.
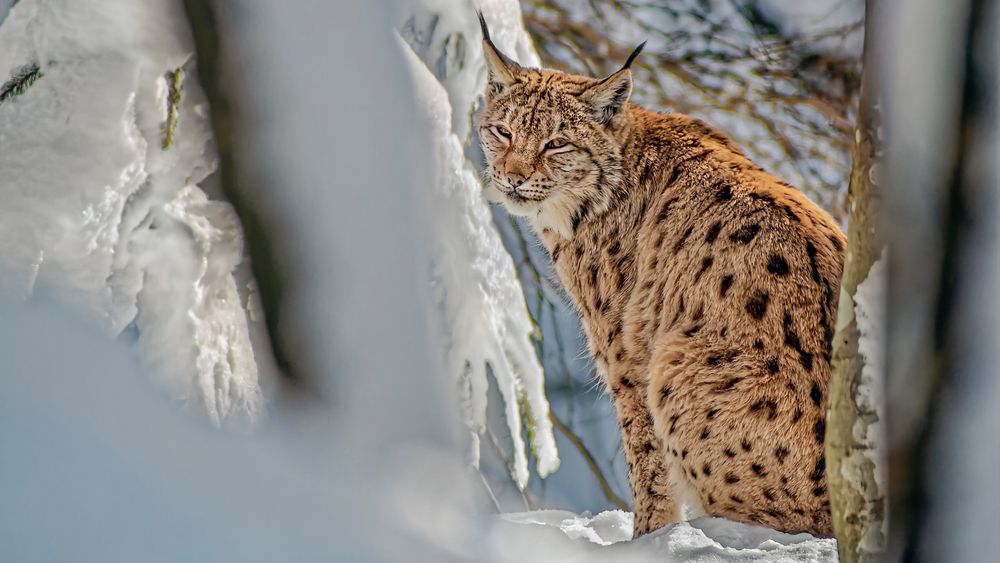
x=706, y=286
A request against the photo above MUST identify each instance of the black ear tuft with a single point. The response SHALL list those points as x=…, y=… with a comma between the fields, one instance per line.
x=628, y=62
x=607, y=97
x=500, y=68
x=482, y=26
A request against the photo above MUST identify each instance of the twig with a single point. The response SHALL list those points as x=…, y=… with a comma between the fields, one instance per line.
x=489, y=491
x=528, y=503
x=589, y=458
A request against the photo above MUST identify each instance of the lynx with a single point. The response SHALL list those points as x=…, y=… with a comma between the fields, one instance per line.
x=706, y=286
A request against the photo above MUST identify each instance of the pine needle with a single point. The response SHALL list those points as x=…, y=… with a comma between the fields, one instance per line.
x=23, y=79
x=175, y=83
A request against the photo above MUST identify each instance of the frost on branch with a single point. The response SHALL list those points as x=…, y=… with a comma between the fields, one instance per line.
x=484, y=321
x=864, y=469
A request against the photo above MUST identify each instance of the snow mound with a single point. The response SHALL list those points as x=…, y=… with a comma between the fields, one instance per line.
x=606, y=528
x=718, y=539
x=483, y=315
x=102, y=209
x=704, y=539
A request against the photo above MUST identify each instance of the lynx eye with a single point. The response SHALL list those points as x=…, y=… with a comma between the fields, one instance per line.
x=501, y=131
x=556, y=143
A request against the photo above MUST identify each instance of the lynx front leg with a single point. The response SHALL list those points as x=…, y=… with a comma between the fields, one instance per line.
x=651, y=495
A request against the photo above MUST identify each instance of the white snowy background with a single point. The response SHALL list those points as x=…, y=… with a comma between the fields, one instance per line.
x=411, y=294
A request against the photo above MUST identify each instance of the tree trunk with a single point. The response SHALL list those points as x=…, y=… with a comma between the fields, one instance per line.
x=855, y=445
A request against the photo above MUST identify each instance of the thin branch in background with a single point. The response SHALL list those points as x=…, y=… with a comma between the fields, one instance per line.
x=591, y=462
x=529, y=504
x=489, y=491
x=725, y=61
x=528, y=262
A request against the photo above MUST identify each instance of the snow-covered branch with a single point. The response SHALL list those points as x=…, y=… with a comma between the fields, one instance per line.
x=484, y=325
x=103, y=164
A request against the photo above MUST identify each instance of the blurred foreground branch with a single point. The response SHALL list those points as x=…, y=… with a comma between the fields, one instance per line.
x=238, y=188
x=944, y=303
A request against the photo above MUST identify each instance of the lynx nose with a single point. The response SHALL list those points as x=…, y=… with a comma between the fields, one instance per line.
x=515, y=179
x=517, y=171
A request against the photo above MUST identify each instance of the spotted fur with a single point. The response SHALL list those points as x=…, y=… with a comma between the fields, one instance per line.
x=707, y=288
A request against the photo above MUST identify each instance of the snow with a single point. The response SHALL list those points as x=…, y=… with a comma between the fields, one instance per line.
x=106, y=470
x=868, y=309
x=606, y=528
x=99, y=466
x=95, y=208
x=870, y=304
x=703, y=539
x=484, y=317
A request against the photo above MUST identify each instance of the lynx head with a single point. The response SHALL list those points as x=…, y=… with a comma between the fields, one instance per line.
x=551, y=140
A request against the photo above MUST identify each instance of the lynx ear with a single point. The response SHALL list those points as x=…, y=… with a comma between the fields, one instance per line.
x=501, y=70
x=607, y=97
